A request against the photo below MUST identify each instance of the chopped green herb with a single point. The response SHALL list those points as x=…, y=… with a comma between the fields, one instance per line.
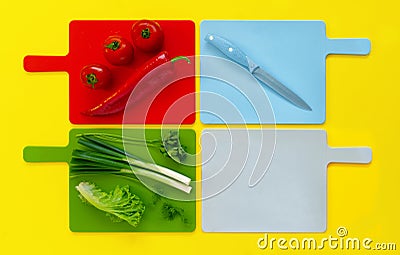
x=170, y=212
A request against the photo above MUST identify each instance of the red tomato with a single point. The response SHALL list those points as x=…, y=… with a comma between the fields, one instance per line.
x=147, y=35
x=95, y=76
x=118, y=50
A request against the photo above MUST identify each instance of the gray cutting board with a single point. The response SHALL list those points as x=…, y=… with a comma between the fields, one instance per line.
x=268, y=180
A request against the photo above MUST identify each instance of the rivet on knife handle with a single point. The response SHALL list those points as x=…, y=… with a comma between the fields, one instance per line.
x=229, y=49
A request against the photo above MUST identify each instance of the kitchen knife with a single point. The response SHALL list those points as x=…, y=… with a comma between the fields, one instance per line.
x=235, y=54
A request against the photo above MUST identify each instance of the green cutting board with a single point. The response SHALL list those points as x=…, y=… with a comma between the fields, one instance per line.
x=86, y=218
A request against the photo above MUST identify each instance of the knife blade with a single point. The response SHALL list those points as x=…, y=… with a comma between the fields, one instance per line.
x=235, y=54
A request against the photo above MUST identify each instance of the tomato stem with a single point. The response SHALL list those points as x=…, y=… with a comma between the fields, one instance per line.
x=113, y=45
x=91, y=79
x=146, y=33
x=180, y=57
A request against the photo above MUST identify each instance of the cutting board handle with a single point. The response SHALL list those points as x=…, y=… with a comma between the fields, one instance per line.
x=349, y=46
x=46, y=154
x=358, y=155
x=45, y=63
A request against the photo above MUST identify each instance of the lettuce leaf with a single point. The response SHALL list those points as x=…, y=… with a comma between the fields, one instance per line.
x=120, y=204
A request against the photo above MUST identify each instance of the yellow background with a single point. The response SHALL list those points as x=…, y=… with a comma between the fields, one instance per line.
x=362, y=109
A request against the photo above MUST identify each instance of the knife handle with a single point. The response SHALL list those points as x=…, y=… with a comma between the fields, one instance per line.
x=228, y=48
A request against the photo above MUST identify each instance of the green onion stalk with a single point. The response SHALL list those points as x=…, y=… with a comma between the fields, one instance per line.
x=99, y=155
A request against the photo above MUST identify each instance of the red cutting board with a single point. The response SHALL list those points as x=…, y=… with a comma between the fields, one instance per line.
x=86, y=40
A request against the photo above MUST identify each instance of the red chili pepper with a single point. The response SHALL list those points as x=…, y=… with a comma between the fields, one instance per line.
x=117, y=101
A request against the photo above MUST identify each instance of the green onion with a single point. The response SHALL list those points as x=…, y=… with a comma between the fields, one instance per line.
x=98, y=155
x=162, y=179
x=159, y=169
x=169, y=145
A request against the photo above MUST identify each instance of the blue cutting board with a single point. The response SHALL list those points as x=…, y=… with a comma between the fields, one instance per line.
x=294, y=52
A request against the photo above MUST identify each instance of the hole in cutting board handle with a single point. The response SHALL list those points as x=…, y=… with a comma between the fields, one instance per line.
x=356, y=155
